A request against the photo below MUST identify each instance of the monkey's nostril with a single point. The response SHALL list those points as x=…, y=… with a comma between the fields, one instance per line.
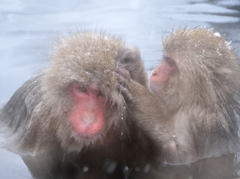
x=154, y=73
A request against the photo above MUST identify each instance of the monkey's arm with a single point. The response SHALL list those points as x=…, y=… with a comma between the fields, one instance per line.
x=150, y=114
x=178, y=138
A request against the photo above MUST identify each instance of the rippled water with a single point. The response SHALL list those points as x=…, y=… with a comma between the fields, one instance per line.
x=29, y=29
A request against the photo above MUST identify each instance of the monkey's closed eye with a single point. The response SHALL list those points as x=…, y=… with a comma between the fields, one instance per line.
x=101, y=94
x=170, y=62
x=82, y=89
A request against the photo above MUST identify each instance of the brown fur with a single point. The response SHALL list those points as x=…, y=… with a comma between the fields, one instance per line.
x=207, y=62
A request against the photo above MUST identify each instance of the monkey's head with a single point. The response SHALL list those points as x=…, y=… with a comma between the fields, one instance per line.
x=199, y=65
x=80, y=89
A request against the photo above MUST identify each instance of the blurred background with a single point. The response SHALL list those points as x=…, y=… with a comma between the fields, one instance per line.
x=30, y=28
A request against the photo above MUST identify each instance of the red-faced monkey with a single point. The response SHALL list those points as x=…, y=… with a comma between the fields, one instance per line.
x=69, y=120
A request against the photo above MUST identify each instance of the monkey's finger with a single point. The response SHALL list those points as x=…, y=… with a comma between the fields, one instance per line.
x=120, y=71
x=122, y=81
x=124, y=91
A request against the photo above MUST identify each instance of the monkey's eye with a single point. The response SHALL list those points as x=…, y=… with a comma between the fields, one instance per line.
x=101, y=94
x=82, y=89
x=170, y=62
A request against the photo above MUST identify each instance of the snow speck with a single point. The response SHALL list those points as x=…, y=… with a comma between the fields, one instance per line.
x=147, y=168
x=112, y=167
x=228, y=44
x=217, y=34
x=122, y=116
x=85, y=168
x=157, y=127
x=87, y=54
x=219, y=52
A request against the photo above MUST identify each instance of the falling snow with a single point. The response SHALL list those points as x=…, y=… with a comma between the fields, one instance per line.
x=217, y=34
x=85, y=169
x=87, y=54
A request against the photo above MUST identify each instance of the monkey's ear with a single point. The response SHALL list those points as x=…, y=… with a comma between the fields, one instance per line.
x=221, y=76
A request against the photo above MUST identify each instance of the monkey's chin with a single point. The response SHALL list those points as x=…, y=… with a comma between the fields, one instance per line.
x=77, y=142
x=154, y=88
x=87, y=138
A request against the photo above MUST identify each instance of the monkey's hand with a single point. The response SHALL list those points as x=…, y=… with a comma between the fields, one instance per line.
x=131, y=60
x=123, y=77
x=132, y=90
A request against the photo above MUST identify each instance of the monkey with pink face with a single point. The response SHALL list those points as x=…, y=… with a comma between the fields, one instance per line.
x=69, y=120
x=198, y=84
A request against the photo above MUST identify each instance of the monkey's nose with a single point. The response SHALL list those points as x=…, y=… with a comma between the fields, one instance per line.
x=154, y=73
x=88, y=121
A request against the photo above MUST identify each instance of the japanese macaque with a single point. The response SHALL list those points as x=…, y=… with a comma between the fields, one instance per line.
x=69, y=120
x=198, y=83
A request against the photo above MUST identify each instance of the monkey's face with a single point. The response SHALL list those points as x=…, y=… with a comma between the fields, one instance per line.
x=87, y=117
x=80, y=87
x=161, y=75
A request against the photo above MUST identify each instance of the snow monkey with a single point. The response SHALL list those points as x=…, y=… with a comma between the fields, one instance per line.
x=198, y=83
x=69, y=120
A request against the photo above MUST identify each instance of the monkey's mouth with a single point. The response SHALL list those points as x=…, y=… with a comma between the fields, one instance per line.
x=153, y=87
x=87, y=131
x=88, y=127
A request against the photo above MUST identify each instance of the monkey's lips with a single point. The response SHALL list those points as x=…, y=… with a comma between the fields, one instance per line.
x=154, y=87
